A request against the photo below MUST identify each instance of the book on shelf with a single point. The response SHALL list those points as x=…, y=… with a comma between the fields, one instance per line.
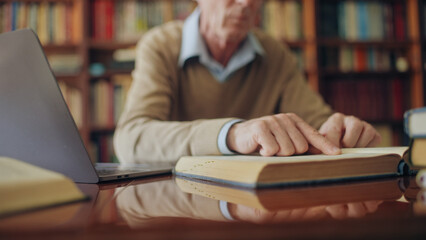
x=276, y=12
x=363, y=20
x=65, y=64
x=415, y=127
x=297, y=197
x=369, y=99
x=102, y=149
x=74, y=99
x=261, y=172
x=121, y=84
x=415, y=122
x=102, y=104
x=363, y=59
x=417, y=156
x=56, y=22
x=124, y=54
x=25, y=187
x=126, y=21
x=108, y=98
x=123, y=59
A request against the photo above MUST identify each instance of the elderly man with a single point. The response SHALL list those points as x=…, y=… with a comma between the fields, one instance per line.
x=216, y=85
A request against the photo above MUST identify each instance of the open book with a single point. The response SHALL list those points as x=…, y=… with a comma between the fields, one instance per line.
x=24, y=186
x=274, y=199
x=257, y=171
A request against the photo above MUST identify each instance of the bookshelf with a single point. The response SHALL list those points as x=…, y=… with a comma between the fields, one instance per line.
x=94, y=59
x=111, y=43
x=367, y=69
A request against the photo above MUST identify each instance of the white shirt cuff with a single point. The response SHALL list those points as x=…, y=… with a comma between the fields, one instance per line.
x=223, y=205
x=221, y=140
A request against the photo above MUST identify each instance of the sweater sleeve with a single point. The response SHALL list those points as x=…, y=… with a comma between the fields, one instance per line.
x=145, y=131
x=142, y=203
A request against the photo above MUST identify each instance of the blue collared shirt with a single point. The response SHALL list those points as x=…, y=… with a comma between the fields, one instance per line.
x=193, y=45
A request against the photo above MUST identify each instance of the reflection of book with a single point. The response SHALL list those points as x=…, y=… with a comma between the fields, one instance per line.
x=257, y=171
x=291, y=198
x=24, y=186
x=419, y=206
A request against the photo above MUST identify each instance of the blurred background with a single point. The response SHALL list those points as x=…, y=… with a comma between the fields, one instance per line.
x=365, y=57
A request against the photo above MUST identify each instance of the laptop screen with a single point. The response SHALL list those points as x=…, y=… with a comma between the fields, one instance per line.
x=35, y=124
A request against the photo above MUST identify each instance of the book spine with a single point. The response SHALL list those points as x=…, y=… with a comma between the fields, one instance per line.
x=407, y=115
x=95, y=19
x=397, y=93
x=109, y=9
x=33, y=17
x=363, y=20
x=15, y=7
x=399, y=21
x=51, y=22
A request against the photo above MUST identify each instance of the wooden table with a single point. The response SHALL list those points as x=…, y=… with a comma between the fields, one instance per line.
x=157, y=208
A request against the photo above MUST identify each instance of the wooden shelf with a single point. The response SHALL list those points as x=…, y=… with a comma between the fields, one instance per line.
x=72, y=80
x=110, y=45
x=335, y=42
x=110, y=73
x=67, y=47
x=102, y=130
x=392, y=122
x=369, y=74
x=294, y=44
x=68, y=78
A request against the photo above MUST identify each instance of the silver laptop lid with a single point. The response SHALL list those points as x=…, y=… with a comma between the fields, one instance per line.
x=35, y=124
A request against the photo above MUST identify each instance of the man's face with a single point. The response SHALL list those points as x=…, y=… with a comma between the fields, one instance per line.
x=230, y=20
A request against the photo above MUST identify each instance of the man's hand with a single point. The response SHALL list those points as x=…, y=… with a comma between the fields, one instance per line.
x=353, y=210
x=338, y=211
x=349, y=131
x=281, y=135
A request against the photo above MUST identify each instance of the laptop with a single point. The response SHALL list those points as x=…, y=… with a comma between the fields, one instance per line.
x=35, y=123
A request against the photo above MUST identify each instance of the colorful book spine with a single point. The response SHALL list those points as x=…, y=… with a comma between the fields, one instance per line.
x=50, y=20
x=126, y=21
x=368, y=99
x=360, y=59
x=73, y=98
x=276, y=12
x=363, y=20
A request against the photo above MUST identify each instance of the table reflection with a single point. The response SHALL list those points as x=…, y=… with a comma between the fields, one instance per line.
x=185, y=198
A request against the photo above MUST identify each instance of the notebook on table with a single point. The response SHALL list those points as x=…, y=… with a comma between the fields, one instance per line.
x=36, y=125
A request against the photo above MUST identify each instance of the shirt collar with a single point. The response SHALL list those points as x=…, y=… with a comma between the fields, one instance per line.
x=193, y=44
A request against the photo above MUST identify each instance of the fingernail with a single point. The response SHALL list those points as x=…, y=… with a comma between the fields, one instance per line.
x=336, y=150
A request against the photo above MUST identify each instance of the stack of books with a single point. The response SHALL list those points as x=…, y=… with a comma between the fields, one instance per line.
x=415, y=127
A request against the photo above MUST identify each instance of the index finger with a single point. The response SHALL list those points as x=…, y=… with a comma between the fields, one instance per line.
x=315, y=138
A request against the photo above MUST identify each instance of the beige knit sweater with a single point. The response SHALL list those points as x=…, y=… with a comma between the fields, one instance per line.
x=172, y=111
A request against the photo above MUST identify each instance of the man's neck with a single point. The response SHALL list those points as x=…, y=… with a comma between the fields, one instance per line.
x=221, y=50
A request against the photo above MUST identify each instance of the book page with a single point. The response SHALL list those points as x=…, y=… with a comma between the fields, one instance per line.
x=348, y=153
x=13, y=171
x=24, y=186
x=385, y=150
